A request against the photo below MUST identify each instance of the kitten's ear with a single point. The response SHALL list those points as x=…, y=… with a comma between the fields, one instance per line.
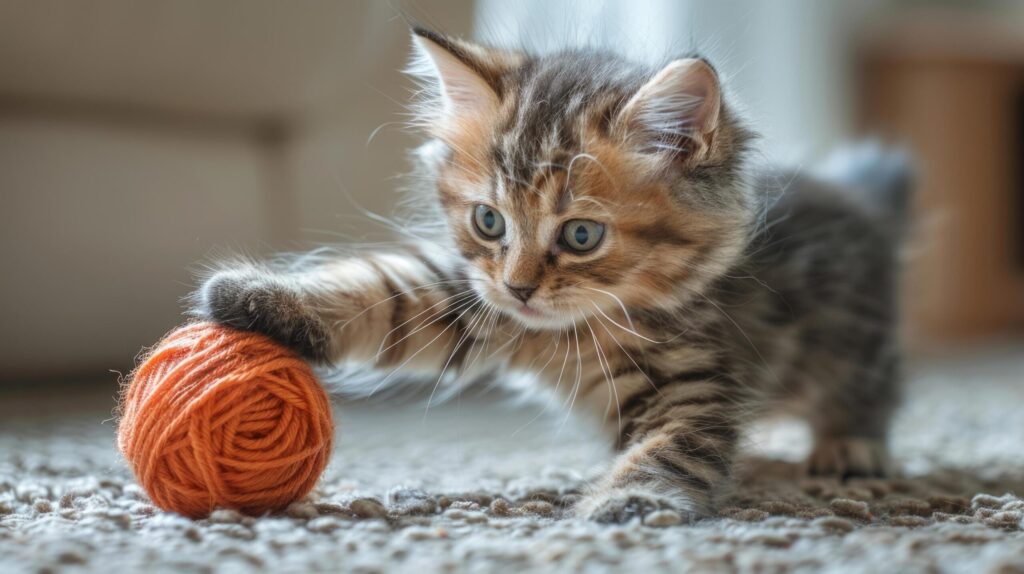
x=465, y=78
x=676, y=111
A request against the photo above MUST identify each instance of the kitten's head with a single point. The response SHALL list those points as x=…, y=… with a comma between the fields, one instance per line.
x=576, y=183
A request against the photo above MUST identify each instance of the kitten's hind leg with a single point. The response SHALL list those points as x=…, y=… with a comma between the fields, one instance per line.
x=851, y=424
x=849, y=457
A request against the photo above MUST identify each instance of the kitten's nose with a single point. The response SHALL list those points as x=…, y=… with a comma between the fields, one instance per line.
x=521, y=292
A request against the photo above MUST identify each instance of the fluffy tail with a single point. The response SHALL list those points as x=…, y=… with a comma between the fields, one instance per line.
x=882, y=178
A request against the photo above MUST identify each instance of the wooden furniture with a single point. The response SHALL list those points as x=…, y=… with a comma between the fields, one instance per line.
x=951, y=87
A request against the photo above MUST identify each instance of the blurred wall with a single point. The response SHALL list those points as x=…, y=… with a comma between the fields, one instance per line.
x=139, y=138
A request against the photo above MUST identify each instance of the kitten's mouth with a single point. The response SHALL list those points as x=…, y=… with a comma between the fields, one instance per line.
x=536, y=318
x=529, y=314
x=526, y=310
x=534, y=313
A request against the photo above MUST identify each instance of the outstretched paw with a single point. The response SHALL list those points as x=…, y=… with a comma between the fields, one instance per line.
x=253, y=300
x=848, y=457
x=620, y=506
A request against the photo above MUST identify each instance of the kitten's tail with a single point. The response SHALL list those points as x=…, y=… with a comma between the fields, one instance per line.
x=882, y=178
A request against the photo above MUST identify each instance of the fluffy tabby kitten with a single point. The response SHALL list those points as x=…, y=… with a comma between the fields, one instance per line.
x=604, y=230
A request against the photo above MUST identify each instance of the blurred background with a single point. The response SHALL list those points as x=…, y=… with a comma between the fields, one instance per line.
x=138, y=139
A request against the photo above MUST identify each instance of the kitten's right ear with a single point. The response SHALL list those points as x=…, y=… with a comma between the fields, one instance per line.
x=464, y=78
x=676, y=111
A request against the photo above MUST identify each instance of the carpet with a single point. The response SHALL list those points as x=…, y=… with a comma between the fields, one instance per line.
x=482, y=485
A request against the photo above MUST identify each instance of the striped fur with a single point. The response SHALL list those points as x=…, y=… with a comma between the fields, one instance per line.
x=712, y=297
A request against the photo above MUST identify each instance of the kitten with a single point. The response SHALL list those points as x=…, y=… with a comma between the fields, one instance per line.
x=602, y=228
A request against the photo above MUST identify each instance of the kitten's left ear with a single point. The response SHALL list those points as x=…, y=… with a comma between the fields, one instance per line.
x=676, y=111
x=466, y=78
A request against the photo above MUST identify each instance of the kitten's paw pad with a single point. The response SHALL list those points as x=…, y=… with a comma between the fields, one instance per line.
x=848, y=457
x=252, y=300
x=621, y=507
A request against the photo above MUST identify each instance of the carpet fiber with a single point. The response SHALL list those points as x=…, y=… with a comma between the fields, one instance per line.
x=479, y=486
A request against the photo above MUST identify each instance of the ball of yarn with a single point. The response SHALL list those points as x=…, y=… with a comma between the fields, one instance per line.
x=218, y=418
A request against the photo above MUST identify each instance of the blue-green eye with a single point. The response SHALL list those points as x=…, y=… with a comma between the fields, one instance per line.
x=582, y=235
x=489, y=222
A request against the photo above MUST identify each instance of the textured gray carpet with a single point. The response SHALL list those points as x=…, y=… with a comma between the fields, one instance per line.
x=481, y=487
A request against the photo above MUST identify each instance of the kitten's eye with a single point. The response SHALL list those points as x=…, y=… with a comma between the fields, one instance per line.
x=582, y=235
x=489, y=222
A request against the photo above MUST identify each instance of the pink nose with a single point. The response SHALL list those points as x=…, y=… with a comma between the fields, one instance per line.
x=521, y=292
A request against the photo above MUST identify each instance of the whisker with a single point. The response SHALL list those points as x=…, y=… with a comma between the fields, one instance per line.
x=602, y=361
x=444, y=369
x=460, y=299
x=488, y=324
x=550, y=399
x=421, y=349
x=628, y=330
x=617, y=300
x=579, y=376
x=395, y=296
x=628, y=356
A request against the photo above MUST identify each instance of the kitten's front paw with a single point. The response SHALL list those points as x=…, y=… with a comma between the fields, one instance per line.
x=253, y=300
x=848, y=457
x=619, y=506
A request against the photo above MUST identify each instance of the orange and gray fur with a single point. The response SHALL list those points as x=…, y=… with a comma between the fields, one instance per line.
x=599, y=224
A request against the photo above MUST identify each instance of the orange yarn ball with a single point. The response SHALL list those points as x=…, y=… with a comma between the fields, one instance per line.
x=215, y=417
